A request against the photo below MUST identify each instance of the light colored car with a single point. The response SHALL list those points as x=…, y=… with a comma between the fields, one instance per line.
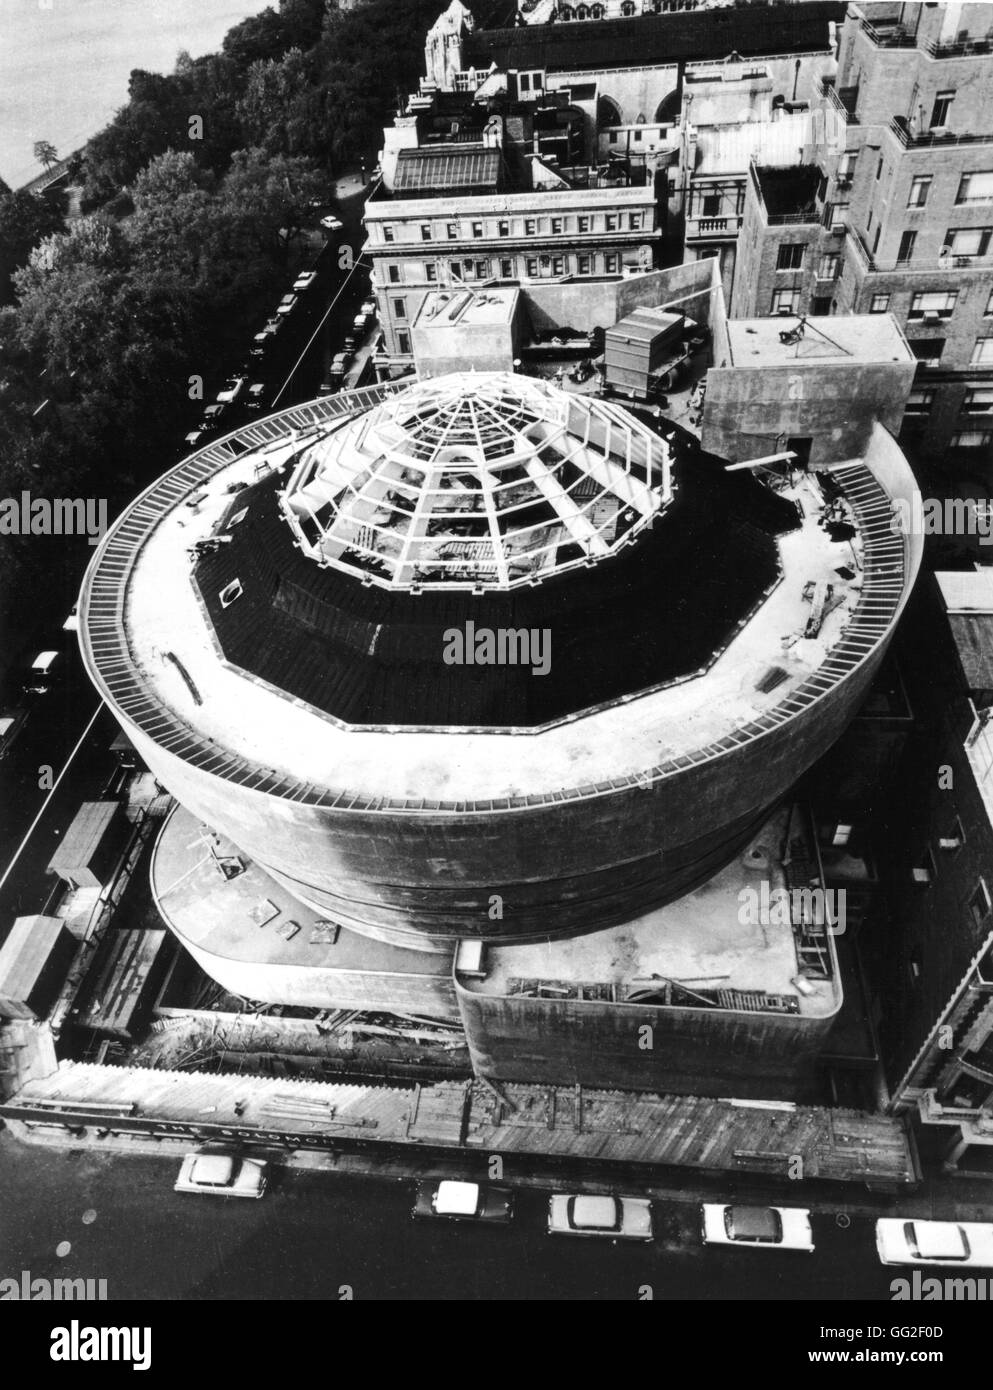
x=463, y=1201
x=213, y=415
x=368, y=307
x=332, y=223
x=619, y=1218
x=40, y=674
x=304, y=281
x=359, y=324
x=256, y=392
x=286, y=305
x=193, y=438
x=761, y=1228
x=225, y=1175
x=71, y=623
x=11, y=723
x=902, y=1242
x=233, y=388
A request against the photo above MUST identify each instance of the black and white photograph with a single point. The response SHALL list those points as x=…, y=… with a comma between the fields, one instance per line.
x=496, y=667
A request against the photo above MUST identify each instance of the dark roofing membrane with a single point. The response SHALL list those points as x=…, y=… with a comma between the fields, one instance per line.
x=658, y=39
x=654, y=613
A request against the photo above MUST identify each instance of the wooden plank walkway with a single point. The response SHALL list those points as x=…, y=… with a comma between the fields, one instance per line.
x=540, y=1121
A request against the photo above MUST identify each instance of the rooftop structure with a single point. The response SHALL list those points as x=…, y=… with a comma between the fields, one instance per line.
x=304, y=706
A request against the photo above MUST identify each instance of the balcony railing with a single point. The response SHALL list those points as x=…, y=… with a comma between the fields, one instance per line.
x=898, y=37
x=909, y=140
x=712, y=227
x=829, y=90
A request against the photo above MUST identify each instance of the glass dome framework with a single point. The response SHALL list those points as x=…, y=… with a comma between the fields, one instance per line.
x=477, y=482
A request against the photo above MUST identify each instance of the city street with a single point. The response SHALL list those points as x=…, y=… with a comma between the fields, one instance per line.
x=315, y=1233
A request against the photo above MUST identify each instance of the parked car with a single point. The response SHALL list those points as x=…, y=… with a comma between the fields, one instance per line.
x=359, y=324
x=305, y=280
x=349, y=345
x=11, y=723
x=463, y=1201
x=233, y=388
x=763, y=1228
x=902, y=1242
x=193, y=438
x=368, y=307
x=224, y=1175
x=256, y=392
x=213, y=415
x=330, y=223
x=71, y=623
x=41, y=675
x=621, y=1218
x=286, y=305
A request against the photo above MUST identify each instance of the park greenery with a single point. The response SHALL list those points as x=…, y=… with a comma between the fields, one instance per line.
x=192, y=198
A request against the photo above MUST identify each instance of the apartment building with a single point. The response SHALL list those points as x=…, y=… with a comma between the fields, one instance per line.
x=905, y=206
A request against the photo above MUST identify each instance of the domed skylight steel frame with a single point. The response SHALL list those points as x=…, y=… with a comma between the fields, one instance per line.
x=485, y=481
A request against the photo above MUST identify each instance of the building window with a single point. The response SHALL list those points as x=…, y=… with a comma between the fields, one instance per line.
x=425, y=231
x=583, y=224
x=403, y=343
x=971, y=439
x=612, y=264
x=920, y=187
x=634, y=221
x=982, y=353
x=387, y=232
x=879, y=168
x=785, y=301
x=610, y=222
x=879, y=304
x=828, y=267
x=978, y=401
x=968, y=241
x=975, y=188
x=612, y=137
x=530, y=226
x=906, y=250
x=503, y=228
x=456, y=271
x=453, y=231
x=979, y=903
x=919, y=403
x=557, y=226
x=940, y=109
x=482, y=270
x=820, y=306
x=790, y=255
x=711, y=205
x=506, y=270
x=927, y=350
x=839, y=216
x=399, y=309
x=477, y=229
x=558, y=265
x=875, y=240
x=585, y=265
x=431, y=273
x=932, y=307
x=531, y=266
x=394, y=273
x=638, y=137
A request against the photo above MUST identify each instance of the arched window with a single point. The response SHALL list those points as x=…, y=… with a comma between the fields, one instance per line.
x=596, y=12
x=607, y=113
x=628, y=9
x=582, y=12
x=565, y=12
x=667, y=110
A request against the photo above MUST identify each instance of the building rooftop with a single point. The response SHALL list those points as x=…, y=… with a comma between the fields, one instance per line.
x=658, y=40
x=968, y=598
x=699, y=944
x=480, y=308
x=790, y=192
x=840, y=338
